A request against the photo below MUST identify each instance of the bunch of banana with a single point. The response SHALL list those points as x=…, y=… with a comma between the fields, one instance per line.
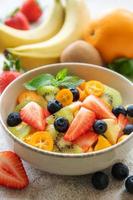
x=76, y=21
x=10, y=37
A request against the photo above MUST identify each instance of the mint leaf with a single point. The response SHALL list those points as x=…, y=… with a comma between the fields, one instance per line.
x=41, y=80
x=61, y=74
x=123, y=66
x=69, y=82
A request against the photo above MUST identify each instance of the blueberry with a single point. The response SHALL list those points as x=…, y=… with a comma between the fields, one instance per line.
x=75, y=93
x=61, y=124
x=128, y=129
x=100, y=126
x=54, y=106
x=119, y=110
x=100, y=180
x=120, y=171
x=130, y=110
x=129, y=184
x=13, y=119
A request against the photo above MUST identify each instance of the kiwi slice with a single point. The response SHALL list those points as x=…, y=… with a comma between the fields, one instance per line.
x=51, y=129
x=73, y=149
x=48, y=92
x=21, y=130
x=112, y=96
x=66, y=147
x=64, y=112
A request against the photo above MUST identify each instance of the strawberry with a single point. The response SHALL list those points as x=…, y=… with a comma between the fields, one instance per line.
x=32, y=10
x=87, y=140
x=6, y=78
x=18, y=21
x=12, y=172
x=96, y=105
x=33, y=115
x=122, y=121
x=81, y=123
x=46, y=113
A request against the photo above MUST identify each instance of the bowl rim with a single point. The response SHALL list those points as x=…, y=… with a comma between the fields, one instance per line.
x=58, y=154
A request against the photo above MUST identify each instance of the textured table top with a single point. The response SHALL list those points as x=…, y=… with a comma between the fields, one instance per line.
x=44, y=186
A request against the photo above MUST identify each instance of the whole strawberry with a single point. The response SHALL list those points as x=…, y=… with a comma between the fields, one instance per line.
x=6, y=78
x=18, y=21
x=32, y=10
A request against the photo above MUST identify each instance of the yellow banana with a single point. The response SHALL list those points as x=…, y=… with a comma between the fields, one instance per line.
x=10, y=37
x=76, y=21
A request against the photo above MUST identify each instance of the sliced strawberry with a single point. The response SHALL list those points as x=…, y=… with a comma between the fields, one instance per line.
x=96, y=105
x=32, y=10
x=18, y=21
x=81, y=124
x=6, y=78
x=87, y=140
x=46, y=113
x=12, y=172
x=33, y=114
x=122, y=122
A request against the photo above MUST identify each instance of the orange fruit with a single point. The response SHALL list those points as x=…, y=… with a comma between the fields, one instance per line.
x=31, y=96
x=112, y=35
x=42, y=140
x=82, y=94
x=94, y=87
x=65, y=97
x=82, y=85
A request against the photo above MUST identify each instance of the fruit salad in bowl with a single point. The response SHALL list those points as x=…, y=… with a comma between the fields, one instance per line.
x=67, y=114
x=69, y=118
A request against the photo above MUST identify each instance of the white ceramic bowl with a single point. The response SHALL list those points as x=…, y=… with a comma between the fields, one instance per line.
x=59, y=163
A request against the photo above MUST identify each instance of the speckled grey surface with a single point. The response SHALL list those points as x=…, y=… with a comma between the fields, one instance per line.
x=44, y=186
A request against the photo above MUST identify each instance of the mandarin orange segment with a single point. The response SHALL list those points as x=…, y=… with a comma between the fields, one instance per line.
x=94, y=87
x=41, y=139
x=31, y=96
x=82, y=85
x=65, y=97
x=82, y=94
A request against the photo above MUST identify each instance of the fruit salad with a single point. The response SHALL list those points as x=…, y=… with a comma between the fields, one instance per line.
x=64, y=113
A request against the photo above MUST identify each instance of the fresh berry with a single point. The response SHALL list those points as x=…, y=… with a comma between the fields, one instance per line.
x=100, y=180
x=18, y=21
x=6, y=78
x=128, y=129
x=61, y=124
x=12, y=173
x=130, y=110
x=100, y=127
x=96, y=105
x=33, y=115
x=82, y=122
x=120, y=171
x=32, y=10
x=54, y=106
x=75, y=93
x=122, y=121
x=119, y=110
x=86, y=141
x=129, y=184
x=46, y=113
x=14, y=119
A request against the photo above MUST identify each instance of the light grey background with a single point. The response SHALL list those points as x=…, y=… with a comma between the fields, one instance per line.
x=44, y=186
